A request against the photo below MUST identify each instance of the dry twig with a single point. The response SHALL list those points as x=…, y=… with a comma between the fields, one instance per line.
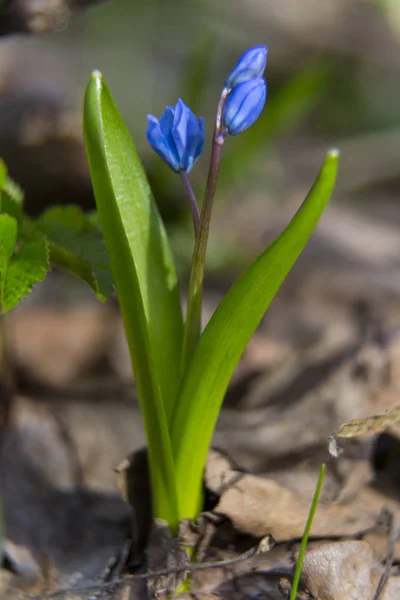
x=265, y=545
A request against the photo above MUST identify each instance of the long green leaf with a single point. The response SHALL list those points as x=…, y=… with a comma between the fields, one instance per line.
x=225, y=337
x=144, y=276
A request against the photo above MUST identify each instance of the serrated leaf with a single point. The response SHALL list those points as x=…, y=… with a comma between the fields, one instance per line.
x=77, y=246
x=226, y=336
x=28, y=266
x=8, y=239
x=144, y=276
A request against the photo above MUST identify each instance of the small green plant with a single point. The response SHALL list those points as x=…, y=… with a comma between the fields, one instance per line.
x=182, y=374
x=306, y=534
x=61, y=237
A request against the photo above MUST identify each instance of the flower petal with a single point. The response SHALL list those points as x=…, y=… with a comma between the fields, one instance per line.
x=179, y=130
x=178, y=137
x=188, y=136
x=243, y=105
x=159, y=141
x=251, y=65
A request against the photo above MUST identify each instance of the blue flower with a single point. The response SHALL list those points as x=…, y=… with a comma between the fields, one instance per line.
x=178, y=137
x=243, y=105
x=251, y=65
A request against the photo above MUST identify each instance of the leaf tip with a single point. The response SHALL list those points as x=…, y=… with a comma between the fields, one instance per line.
x=96, y=82
x=96, y=75
x=333, y=153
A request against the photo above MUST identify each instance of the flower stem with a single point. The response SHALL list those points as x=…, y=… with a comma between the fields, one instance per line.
x=193, y=203
x=193, y=315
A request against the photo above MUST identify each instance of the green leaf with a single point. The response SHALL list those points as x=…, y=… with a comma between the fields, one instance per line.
x=144, y=276
x=9, y=206
x=3, y=174
x=306, y=534
x=8, y=239
x=28, y=266
x=11, y=195
x=225, y=337
x=77, y=246
x=14, y=192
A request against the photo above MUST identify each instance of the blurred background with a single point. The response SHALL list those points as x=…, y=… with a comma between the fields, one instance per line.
x=333, y=77
x=328, y=349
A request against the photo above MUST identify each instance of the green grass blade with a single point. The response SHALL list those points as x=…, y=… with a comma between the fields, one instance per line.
x=304, y=540
x=144, y=276
x=226, y=335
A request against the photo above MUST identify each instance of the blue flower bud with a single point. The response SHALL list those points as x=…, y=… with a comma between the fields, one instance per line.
x=243, y=105
x=251, y=65
x=178, y=137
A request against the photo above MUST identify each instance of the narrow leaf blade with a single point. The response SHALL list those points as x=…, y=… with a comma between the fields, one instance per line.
x=144, y=276
x=137, y=227
x=226, y=335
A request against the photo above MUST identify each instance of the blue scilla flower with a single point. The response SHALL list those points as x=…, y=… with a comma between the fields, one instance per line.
x=251, y=65
x=178, y=137
x=243, y=105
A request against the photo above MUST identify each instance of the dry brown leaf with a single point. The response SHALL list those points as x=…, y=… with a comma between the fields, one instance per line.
x=369, y=424
x=165, y=552
x=392, y=589
x=300, y=405
x=258, y=505
x=339, y=571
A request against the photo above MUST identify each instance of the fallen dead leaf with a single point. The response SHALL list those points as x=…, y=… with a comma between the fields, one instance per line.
x=164, y=551
x=339, y=571
x=370, y=424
